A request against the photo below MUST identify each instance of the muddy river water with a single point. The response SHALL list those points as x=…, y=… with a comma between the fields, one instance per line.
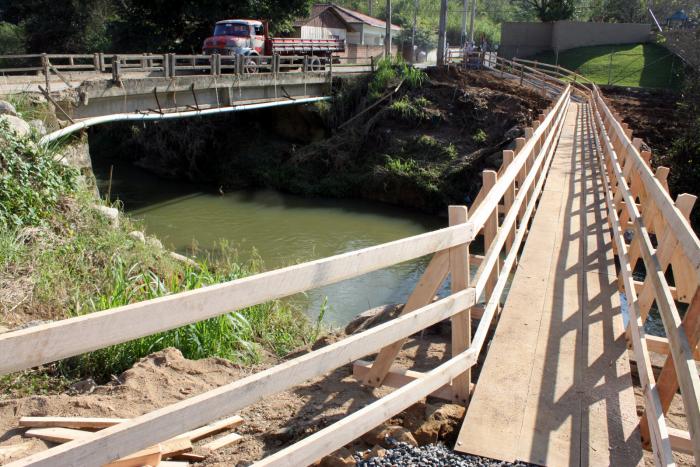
x=282, y=229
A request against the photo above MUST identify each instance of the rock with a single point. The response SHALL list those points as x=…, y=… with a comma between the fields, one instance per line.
x=340, y=458
x=284, y=434
x=382, y=435
x=86, y=386
x=138, y=235
x=442, y=423
x=414, y=416
x=112, y=214
x=7, y=109
x=19, y=126
x=38, y=126
x=373, y=317
x=377, y=451
x=154, y=242
x=184, y=259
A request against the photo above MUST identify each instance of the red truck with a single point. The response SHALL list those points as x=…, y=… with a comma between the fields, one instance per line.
x=250, y=38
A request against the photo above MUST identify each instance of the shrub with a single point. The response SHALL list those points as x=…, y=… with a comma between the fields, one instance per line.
x=31, y=182
x=479, y=136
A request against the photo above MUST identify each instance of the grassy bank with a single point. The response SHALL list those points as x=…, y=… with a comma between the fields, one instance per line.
x=60, y=258
x=638, y=65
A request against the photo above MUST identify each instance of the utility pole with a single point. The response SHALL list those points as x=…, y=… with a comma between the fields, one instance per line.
x=369, y=7
x=442, y=34
x=465, y=9
x=471, y=22
x=413, y=32
x=387, y=35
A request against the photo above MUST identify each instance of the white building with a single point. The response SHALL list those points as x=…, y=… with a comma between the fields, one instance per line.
x=328, y=20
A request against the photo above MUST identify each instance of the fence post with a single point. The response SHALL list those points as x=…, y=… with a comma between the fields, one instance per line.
x=461, y=322
x=305, y=64
x=239, y=64
x=166, y=66
x=371, y=62
x=173, y=65
x=96, y=61
x=45, y=66
x=522, y=73
x=509, y=198
x=115, y=68
x=490, y=178
x=275, y=64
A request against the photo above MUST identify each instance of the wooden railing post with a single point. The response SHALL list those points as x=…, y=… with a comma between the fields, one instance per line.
x=490, y=178
x=509, y=197
x=461, y=322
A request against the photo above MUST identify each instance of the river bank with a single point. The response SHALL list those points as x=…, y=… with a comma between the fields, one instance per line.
x=63, y=253
x=423, y=149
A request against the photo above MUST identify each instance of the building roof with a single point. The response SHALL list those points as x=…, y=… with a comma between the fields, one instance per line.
x=347, y=15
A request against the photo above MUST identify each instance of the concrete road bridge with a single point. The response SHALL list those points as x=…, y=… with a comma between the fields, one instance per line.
x=98, y=85
x=586, y=233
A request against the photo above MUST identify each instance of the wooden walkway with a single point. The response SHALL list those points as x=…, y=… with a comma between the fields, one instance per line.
x=555, y=388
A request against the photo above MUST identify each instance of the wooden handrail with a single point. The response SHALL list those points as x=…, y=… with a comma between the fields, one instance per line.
x=151, y=428
x=624, y=162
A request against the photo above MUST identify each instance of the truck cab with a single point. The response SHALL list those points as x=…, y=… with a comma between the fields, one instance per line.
x=236, y=36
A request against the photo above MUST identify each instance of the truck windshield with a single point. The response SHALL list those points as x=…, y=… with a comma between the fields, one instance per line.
x=232, y=29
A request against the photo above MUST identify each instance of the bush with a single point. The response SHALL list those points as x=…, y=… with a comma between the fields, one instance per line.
x=479, y=136
x=31, y=183
x=389, y=72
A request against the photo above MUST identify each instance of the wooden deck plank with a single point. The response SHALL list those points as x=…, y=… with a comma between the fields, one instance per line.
x=559, y=347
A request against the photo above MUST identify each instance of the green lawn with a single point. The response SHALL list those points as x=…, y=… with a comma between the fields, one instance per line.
x=640, y=65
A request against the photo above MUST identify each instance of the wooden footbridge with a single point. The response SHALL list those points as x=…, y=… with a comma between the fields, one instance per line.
x=590, y=240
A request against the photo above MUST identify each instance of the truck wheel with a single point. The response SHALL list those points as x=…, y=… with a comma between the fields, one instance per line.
x=250, y=66
x=315, y=64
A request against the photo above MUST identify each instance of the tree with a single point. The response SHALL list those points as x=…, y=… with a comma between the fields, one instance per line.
x=549, y=10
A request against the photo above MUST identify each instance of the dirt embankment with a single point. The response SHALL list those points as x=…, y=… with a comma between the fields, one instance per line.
x=423, y=148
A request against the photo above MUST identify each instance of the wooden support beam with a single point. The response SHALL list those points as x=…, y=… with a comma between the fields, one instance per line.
x=509, y=197
x=425, y=290
x=491, y=230
x=344, y=431
x=461, y=322
x=680, y=440
x=398, y=377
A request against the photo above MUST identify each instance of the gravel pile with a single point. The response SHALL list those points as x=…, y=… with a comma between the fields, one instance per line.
x=431, y=455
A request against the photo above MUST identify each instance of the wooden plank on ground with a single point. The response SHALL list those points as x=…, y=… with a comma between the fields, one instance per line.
x=223, y=441
x=69, y=422
x=569, y=394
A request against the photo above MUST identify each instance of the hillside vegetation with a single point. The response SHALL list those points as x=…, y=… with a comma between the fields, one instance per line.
x=638, y=65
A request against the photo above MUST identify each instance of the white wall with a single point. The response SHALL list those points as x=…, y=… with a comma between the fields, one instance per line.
x=313, y=32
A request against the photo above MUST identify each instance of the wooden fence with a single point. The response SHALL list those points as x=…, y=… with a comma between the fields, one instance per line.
x=652, y=230
x=504, y=207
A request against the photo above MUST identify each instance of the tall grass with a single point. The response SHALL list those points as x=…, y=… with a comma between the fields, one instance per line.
x=390, y=71
x=239, y=336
